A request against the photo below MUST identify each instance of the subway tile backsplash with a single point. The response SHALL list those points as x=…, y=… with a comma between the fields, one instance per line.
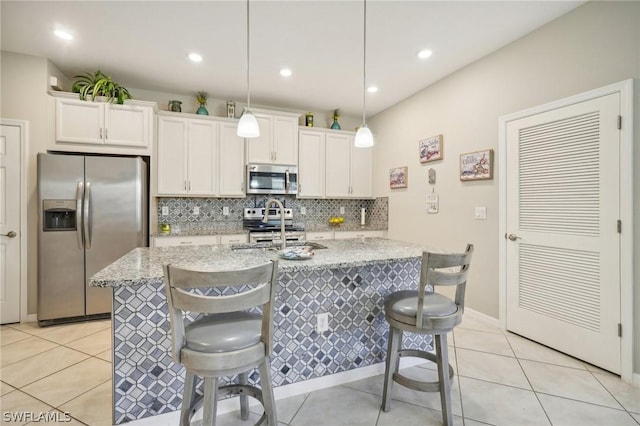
x=181, y=212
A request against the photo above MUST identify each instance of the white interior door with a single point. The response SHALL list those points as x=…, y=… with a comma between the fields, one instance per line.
x=9, y=224
x=563, y=207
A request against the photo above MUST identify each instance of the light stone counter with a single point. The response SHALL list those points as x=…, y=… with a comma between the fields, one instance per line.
x=348, y=281
x=144, y=265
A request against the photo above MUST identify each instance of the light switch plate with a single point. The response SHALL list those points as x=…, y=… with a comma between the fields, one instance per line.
x=225, y=211
x=303, y=210
x=481, y=213
x=341, y=210
x=165, y=210
x=196, y=210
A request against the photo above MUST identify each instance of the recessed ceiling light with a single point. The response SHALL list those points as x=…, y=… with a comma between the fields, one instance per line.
x=63, y=35
x=195, y=57
x=424, y=54
x=285, y=72
x=372, y=89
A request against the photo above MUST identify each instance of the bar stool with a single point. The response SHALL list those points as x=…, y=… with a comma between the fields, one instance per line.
x=226, y=340
x=438, y=316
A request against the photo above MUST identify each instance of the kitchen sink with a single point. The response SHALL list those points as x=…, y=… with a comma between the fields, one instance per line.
x=262, y=247
x=310, y=244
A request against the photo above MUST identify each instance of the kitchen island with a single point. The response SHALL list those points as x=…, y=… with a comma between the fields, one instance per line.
x=348, y=280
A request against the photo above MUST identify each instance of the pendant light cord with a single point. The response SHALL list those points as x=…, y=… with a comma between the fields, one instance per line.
x=248, y=61
x=364, y=65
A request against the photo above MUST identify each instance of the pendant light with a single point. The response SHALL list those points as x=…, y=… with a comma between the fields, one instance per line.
x=364, y=138
x=248, y=124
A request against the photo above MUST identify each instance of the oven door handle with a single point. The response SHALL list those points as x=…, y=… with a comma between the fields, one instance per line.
x=286, y=180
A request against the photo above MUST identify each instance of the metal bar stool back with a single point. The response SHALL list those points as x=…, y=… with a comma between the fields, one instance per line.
x=229, y=337
x=424, y=311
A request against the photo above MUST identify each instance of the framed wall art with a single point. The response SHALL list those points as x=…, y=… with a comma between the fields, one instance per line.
x=476, y=165
x=398, y=177
x=430, y=149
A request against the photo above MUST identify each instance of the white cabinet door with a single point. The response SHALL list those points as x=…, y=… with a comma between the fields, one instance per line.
x=361, y=172
x=285, y=140
x=172, y=156
x=202, y=157
x=311, y=164
x=234, y=239
x=79, y=121
x=260, y=150
x=231, y=170
x=127, y=125
x=337, y=162
x=196, y=240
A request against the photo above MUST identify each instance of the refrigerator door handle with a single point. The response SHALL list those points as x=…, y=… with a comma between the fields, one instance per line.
x=87, y=215
x=79, y=195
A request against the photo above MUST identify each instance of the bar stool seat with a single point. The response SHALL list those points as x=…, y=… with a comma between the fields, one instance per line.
x=228, y=338
x=423, y=311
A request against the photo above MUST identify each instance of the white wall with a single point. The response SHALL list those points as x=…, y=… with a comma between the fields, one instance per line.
x=595, y=45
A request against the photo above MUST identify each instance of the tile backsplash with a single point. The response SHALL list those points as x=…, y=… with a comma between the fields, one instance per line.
x=318, y=211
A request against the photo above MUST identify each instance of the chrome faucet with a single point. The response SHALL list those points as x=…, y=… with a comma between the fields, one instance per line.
x=265, y=219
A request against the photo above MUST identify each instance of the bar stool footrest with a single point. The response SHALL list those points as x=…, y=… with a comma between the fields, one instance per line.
x=419, y=385
x=231, y=390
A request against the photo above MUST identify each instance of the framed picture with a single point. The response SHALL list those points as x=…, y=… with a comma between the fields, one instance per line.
x=430, y=149
x=476, y=165
x=398, y=177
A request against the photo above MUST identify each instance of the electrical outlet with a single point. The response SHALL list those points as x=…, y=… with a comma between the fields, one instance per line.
x=196, y=210
x=322, y=322
x=341, y=210
x=481, y=213
x=225, y=211
x=303, y=210
x=165, y=210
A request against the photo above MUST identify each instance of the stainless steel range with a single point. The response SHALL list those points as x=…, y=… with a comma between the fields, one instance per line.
x=270, y=231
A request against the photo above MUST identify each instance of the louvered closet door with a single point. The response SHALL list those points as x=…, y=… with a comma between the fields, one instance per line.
x=563, y=277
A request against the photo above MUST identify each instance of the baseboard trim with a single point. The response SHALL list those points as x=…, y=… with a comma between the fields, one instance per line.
x=32, y=317
x=636, y=380
x=286, y=391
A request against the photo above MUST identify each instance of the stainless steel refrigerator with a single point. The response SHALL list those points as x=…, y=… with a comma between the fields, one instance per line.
x=92, y=210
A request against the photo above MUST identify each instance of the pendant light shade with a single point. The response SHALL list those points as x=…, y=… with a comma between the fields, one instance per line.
x=248, y=125
x=364, y=137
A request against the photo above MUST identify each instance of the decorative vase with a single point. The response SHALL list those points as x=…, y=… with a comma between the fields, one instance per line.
x=175, y=106
x=335, y=125
x=202, y=110
x=308, y=119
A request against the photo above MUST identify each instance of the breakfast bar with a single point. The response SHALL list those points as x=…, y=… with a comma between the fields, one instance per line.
x=348, y=280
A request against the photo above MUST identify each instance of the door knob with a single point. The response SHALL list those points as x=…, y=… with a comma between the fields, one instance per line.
x=10, y=234
x=513, y=237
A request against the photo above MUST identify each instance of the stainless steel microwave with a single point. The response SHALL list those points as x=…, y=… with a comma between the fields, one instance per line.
x=272, y=179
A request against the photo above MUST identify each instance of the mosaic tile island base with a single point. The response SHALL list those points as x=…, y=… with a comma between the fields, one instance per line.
x=349, y=280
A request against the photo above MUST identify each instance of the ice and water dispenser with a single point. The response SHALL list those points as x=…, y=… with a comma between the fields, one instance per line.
x=59, y=215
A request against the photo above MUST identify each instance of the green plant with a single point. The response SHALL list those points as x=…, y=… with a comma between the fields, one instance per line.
x=99, y=84
x=201, y=97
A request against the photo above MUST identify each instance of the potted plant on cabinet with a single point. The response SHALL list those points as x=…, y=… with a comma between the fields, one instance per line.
x=201, y=97
x=98, y=84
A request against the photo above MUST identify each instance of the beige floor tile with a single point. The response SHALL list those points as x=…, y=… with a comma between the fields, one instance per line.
x=568, y=383
x=476, y=321
x=402, y=413
x=5, y=388
x=66, y=333
x=57, y=418
x=34, y=368
x=28, y=327
x=92, y=407
x=492, y=368
x=626, y=395
x=106, y=355
x=286, y=408
x=566, y=412
x=23, y=349
x=527, y=349
x=494, y=343
x=500, y=405
x=71, y=382
x=94, y=343
x=636, y=416
x=18, y=403
x=347, y=406
x=10, y=335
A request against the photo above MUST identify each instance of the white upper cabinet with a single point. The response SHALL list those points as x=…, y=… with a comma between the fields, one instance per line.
x=278, y=140
x=199, y=157
x=311, y=145
x=331, y=167
x=103, y=124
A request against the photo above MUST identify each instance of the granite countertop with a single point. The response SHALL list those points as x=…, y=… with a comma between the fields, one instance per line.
x=144, y=265
x=190, y=230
